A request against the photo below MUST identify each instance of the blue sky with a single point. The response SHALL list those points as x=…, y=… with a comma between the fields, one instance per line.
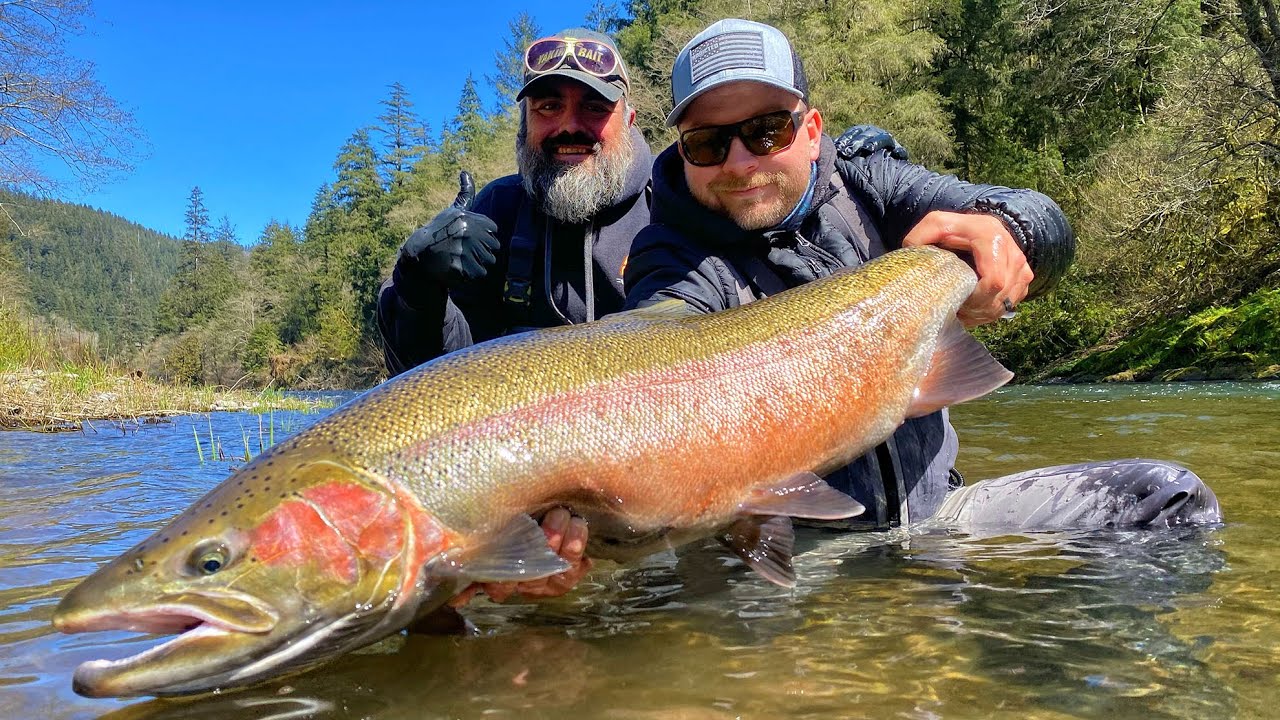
x=251, y=100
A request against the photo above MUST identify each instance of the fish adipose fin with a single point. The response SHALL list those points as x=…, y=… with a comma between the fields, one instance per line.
x=765, y=545
x=804, y=495
x=516, y=553
x=961, y=370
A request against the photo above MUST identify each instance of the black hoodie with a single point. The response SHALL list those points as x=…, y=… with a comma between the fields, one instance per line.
x=418, y=324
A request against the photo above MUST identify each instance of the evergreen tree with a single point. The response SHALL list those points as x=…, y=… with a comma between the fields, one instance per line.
x=358, y=187
x=508, y=75
x=205, y=279
x=405, y=137
x=196, y=218
x=468, y=128
x=99, y=271
x=603, y=17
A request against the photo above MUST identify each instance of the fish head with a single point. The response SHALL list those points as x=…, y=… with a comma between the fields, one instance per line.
x=282, y=566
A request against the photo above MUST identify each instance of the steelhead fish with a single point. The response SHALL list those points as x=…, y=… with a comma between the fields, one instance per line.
x=656, y=425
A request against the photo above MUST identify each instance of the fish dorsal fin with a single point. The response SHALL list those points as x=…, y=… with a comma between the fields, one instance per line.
x=804, y=495
x=516, y=553
x=961, y=370
x=666, y=310
x=765, y=545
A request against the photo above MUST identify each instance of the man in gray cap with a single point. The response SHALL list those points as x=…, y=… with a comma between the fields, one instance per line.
x=754, y=199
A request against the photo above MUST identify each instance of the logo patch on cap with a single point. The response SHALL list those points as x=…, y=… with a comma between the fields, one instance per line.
x=730, y=51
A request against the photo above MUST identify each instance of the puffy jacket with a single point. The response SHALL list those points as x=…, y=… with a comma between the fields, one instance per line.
x=418, y=324
x=703, y=258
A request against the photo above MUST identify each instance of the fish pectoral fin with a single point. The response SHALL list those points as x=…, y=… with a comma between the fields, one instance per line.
x=765, y=544
x=516, y=553
x=961, y=370
x=804, y=495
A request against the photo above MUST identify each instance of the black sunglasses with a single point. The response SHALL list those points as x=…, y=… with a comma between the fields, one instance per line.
x=762, y=135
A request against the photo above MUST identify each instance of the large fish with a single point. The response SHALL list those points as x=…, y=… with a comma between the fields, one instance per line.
x=658, y=426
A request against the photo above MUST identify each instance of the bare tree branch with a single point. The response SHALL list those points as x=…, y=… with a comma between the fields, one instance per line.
x=51, y=105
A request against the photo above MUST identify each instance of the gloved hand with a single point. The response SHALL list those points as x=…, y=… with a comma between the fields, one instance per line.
x=456, y=246
x=863, y=140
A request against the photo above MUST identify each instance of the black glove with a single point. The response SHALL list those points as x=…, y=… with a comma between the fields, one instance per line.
x=455, y=247
x=863, y=140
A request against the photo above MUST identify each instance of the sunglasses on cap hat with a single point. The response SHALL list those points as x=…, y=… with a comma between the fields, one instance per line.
x=589, y=56
x=762, y=135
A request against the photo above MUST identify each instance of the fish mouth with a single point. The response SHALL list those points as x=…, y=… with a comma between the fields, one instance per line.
x=215, y=633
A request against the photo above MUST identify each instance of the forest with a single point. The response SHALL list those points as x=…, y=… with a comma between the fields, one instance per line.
x=1154, y=123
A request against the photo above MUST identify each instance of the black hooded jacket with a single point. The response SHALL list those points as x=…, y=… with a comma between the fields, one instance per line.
x=704, y=259
x=421, y=323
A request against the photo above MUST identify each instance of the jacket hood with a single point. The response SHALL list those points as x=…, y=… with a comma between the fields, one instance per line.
x=637, y=179
x=674, y=205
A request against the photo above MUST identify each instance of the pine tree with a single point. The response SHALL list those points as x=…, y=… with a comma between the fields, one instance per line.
x=468, y=128
x=405, y=137
x=603, y=17
x=206, y=275
x=358, y=187
x=508, y=74
x=197, y=218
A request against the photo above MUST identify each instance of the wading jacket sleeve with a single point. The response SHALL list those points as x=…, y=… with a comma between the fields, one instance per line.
x=693, y=254
x=420, y=323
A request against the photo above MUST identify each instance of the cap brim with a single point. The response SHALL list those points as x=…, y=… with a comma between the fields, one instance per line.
x=674, y=116
x=607, y=89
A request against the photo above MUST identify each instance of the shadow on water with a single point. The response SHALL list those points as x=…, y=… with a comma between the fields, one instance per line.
x=1162, y=624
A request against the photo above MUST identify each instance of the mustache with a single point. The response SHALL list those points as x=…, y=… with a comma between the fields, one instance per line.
x=737, y=184
x=566, y=138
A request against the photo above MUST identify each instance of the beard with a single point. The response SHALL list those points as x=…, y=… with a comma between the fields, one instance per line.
x=751, y=215
x=574, y=193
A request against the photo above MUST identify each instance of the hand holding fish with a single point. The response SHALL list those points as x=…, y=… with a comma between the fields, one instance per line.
x=985, y=243
x=567, y=537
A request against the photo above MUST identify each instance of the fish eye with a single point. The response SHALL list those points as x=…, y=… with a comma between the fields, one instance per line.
x=209, y=558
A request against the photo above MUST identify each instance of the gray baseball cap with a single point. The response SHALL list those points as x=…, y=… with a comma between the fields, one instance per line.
x=550, y=52
x=733, y=50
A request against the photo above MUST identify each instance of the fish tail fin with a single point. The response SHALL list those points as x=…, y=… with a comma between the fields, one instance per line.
x=961, y=369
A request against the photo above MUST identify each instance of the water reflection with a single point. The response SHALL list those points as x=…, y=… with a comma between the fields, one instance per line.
x=1174, y=624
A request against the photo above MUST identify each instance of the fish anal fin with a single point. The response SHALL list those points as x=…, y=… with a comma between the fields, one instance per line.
x=804, y=495
x=516, y=553
x=765, y=544
x=961, y=369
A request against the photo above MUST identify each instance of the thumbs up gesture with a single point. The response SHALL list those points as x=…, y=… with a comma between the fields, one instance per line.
x=455, y=247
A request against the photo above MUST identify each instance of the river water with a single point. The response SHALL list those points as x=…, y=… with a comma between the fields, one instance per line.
x=1141, y=624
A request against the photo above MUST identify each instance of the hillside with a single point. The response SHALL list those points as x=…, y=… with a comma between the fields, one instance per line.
x=95, y=270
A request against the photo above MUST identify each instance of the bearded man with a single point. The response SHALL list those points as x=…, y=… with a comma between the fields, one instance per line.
x=543, y=247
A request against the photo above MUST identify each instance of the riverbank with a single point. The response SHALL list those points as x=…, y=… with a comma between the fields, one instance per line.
x=59, y=400
x=1240, y=342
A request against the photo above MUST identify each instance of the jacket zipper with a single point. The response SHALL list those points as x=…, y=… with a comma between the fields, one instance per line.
x=815, y=264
